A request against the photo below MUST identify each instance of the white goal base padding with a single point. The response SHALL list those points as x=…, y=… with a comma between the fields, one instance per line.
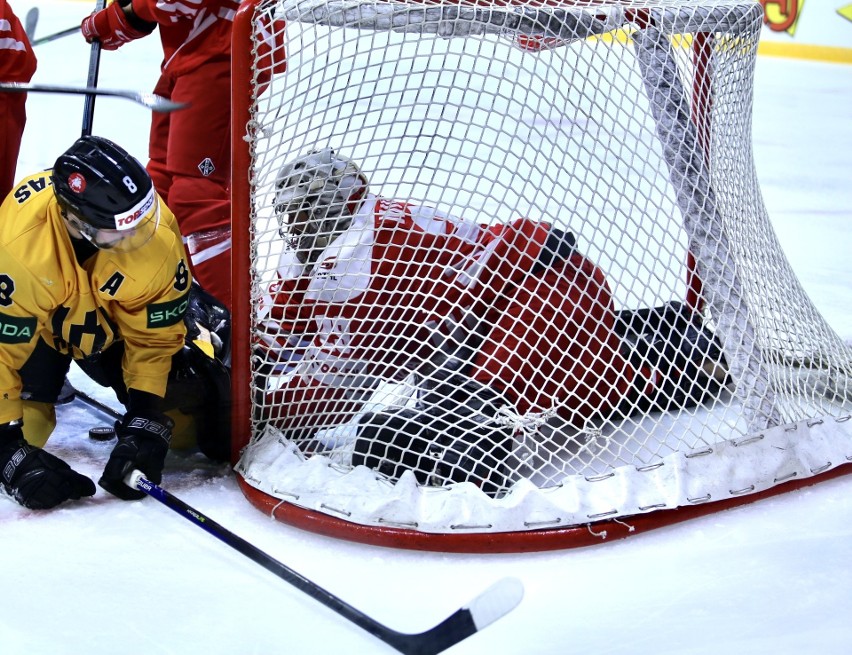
x=728, y=469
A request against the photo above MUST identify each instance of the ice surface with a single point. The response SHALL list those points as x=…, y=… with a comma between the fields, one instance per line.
x=104, y=576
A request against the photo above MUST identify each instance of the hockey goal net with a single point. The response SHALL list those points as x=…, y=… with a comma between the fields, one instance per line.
x=625, y=124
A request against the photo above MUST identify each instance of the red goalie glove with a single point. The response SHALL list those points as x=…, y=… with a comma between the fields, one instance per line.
x=114, y=27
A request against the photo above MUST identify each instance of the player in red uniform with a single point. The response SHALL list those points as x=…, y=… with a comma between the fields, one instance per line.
x=17, y=64
x=189, y=150
x=490, y=319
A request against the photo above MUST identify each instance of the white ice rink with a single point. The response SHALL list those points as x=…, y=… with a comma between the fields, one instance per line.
x=104, y=576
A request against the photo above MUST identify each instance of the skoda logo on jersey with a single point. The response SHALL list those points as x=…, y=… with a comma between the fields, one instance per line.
x=76, y=182
x=206, y=167
x=131, y=218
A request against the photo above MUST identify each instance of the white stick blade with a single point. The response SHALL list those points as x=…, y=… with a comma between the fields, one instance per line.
x=30, y=22
x=157, y=103
x=496, y=601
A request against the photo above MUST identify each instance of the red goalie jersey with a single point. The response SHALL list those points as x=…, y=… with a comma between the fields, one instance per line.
x=405, y=285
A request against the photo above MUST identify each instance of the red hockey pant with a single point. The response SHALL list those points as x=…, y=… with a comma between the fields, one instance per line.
x=190, y=163
x=13, y=118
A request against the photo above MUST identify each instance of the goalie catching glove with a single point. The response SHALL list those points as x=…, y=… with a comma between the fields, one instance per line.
x=34, y=477
x=451, y=435
x=143, y=441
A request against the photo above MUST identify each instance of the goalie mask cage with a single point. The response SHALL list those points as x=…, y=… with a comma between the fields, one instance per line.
x=626, y=123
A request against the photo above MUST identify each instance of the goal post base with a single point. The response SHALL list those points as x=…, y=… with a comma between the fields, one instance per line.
x=533, y=541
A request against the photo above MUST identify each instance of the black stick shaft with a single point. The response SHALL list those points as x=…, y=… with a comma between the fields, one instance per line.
x=57, y=35
x=92, y=80
x=239, y=544
x=97, y=405
x=492, y=604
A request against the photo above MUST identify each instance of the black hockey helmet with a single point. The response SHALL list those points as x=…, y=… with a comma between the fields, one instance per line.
x=106, y=194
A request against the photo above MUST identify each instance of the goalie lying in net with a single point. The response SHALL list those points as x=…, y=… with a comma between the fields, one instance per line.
x=494, y=322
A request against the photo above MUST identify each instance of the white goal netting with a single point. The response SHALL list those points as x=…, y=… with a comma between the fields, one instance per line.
x=554, y=296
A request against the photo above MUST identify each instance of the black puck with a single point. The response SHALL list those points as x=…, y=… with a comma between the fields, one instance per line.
x=102, y=433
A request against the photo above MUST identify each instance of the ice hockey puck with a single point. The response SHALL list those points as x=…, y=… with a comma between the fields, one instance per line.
x=102, y=433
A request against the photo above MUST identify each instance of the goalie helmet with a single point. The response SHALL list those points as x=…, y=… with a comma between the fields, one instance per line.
x=316, y=196
x=105, y=194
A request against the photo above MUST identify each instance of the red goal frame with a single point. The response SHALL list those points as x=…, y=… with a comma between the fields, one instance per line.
x=514, y=542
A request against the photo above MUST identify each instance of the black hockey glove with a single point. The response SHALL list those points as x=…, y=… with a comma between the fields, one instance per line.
x=208, y=319
x=143, y=441
x=34, y=477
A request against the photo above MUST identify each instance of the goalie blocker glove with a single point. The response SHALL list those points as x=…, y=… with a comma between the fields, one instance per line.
x=34, y=477
x=143, y=442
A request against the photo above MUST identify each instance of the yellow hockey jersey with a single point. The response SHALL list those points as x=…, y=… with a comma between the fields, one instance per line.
x=139, y=297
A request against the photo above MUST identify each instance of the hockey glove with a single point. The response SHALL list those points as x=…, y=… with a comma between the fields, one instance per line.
x=143, y=441
x=34, y=477
x=115, y=26
x=208, y=323
x=679, y=360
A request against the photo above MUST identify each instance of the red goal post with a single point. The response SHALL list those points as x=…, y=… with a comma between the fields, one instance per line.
x=654, y=90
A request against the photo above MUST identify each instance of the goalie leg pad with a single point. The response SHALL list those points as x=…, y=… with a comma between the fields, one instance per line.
x=394, y=441
x=198, y=395
x=441, y=442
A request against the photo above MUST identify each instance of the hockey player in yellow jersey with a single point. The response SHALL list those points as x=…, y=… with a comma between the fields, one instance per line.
x=92, y=268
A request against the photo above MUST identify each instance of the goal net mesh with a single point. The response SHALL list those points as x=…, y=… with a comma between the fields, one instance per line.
x=608, y=326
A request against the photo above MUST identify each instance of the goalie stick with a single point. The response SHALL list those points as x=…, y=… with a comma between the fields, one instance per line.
x=94, y=403
x=489, y=606
x=150, y=100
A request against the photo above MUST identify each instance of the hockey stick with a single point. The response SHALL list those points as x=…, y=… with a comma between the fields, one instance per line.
x=30, y=22
x=95, y=404
x=492, y=604
x=149, y=100
x=92, y=80
x=53, y=37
